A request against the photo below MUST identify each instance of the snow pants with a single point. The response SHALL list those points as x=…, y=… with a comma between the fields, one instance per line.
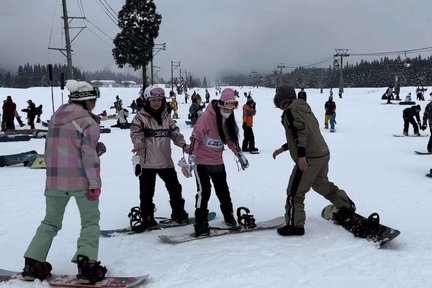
x=147, y=181
x=315, y=177
x=56, y=201
x=248, y=138
x=217, y=174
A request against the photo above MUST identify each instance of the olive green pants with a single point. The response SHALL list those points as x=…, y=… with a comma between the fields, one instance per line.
x=56, y=201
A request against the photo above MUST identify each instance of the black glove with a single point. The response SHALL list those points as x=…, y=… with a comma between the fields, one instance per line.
x=423, y=127
x=244, y=125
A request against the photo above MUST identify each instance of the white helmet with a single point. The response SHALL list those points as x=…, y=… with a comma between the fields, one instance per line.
x=81, y=91
x=154, y=92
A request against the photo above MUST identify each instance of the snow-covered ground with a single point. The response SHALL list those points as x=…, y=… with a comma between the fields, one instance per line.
x=380, y=172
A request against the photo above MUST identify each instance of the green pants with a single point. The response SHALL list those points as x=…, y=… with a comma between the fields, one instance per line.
x=56, y=201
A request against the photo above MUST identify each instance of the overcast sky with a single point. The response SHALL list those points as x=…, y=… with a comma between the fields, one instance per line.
x=213, y=36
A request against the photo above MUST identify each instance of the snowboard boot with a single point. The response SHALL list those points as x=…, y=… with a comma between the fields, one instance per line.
x=228, y=216
x=201, y=226
x=254, y=150
x=417, y=134
x=147, y=215
x=325, y=125
x=405, y=133
x=35, y=269
x=90, y=272
x=289, y=230
x=178, y=214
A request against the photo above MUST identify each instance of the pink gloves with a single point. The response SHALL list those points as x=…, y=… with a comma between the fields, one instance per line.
x=93, y=194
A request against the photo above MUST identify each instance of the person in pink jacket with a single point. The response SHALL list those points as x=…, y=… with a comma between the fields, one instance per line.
x=72, y=170
x=151, y=132
x=214, y=129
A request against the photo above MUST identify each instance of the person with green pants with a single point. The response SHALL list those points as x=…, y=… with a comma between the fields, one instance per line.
x=72, y=170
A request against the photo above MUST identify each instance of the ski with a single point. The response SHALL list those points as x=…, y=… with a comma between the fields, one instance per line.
x=219, y=231
x=163, y=222
x=62, y=280
x=362, y=227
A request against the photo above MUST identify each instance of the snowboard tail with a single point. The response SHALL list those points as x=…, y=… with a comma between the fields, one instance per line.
x=362, y=227
x=58, y=280
x=163, y=222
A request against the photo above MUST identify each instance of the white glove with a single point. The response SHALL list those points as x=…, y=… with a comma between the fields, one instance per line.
x=192, y=163
x=137, y=165
x=244, y=163
x=184, y=168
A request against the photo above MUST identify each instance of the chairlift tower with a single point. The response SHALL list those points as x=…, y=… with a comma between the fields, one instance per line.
x=67, y=51
x=341, y=53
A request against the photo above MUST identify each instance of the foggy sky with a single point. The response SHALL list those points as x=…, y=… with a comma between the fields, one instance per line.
x=213, y=36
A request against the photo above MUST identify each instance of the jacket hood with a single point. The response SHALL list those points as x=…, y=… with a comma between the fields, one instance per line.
x=69, y=112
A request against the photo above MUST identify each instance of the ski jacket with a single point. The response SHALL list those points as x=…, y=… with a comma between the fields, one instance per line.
x=154, y=140
x=427, y=114
x=206, y=143
x=330, y=107
x=70, y=150
x=9, y=108
x=248, y=112
x=31, y=110
x=302, y=131
x=411, y=113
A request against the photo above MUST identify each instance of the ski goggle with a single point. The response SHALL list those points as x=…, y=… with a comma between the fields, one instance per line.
x=229, y=104
x=157, y=93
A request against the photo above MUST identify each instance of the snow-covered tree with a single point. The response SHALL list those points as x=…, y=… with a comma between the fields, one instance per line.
x=139, y=23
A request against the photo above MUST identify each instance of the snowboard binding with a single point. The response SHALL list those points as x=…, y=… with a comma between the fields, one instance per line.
x=135, y=219
x=245, y=220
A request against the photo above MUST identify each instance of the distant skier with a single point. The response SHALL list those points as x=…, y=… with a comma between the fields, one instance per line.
x=302, y=94
x=408, y=115
x=330, y=113
x=249, y=111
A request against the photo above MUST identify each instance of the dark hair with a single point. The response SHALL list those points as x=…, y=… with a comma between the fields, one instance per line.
x=157, y=114
x=230, y=123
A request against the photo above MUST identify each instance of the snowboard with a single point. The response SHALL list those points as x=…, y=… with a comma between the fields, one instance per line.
x=401, y=135
x=163, y=224
x=379, y=234
x=105, y=130
x=58, y=280
x=217, y=231
x=14, y=138
x=21, y=158
x=429, y=174
x=423, y=153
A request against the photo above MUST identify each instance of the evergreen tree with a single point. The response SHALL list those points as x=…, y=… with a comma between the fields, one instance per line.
x=139, y=24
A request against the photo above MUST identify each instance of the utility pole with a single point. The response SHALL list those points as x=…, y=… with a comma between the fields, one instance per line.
x=341, y=53
x=280, y=66
x=156, y=49
x=68, y=41
x=174, y=65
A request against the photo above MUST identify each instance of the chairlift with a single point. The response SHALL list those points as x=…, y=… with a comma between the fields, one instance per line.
x=407, y=61
x=335, y=64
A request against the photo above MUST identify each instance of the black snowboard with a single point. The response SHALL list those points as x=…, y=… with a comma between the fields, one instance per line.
x=362, y=227
x=163, y=223
x=21, y=158
x=14, y=138
x=423, y=153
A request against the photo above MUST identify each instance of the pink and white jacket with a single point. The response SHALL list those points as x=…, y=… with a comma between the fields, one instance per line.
x=206, y=143
x=154, y=140
x=70, y=150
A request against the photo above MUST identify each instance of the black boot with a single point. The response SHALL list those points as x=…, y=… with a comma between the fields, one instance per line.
x=289, y=230
x=178, y=214
x=148, y=219
x=90, y=272
x=228, y=216
x=201, y=226
x=35, y=269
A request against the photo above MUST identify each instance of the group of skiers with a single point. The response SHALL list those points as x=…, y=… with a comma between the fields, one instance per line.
x=9, y=113
x=74, y=145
